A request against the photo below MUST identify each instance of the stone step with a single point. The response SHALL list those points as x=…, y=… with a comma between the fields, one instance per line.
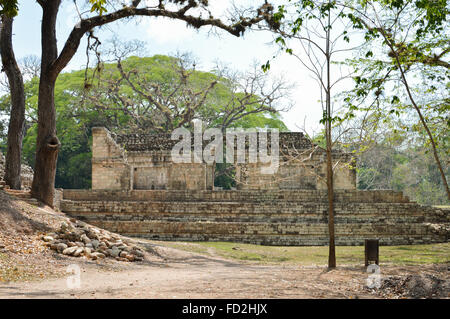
x=257, y=196
x=229, y=216
x=18, y=191
x=233, y=209
x=274, y=234
x=32, y=201
x=255, y=218
x=23, y=195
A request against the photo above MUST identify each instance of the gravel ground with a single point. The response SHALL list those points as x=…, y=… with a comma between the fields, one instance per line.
x=180, y=274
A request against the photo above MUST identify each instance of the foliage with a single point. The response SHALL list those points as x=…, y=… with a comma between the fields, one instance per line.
x=312, y=26
x=9, y=8
x=402, y=164
x=98, y=6
x=161, y=93
x=225, y=176
x=403, y=74
x=419, y=36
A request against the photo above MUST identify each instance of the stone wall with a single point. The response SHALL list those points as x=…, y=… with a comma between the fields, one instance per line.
x=110, y=169
x=26, y=173
x=139, y=162
x=139, y=167
x=139, y=191
x=282, y=217
x=349, y=196
x=291, y=174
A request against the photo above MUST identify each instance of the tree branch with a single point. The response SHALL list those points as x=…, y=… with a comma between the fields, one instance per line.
x=73, y=41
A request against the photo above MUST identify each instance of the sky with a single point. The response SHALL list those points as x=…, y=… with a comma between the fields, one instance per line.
x=165, y=36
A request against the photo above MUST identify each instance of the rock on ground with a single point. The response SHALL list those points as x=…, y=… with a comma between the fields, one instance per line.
x=76, y=238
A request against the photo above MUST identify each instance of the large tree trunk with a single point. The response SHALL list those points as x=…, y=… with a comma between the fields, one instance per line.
x=17, y=116
x=47, y=144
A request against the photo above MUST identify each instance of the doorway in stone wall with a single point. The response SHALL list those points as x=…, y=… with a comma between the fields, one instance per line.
x=225, y=176
x=148, y=178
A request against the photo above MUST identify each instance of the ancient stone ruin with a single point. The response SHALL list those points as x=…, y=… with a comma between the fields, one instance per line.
x=26, y=174
x=144, y=162
x=137, y=190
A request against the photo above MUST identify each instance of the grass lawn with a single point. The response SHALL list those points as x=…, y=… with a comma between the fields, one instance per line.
x=318, y=255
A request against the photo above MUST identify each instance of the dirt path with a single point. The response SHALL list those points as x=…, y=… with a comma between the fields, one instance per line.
x=188, y=275
x=173, y=273
x=180, y=274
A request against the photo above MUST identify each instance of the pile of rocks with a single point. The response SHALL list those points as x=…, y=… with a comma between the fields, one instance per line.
x=440, y=229
x=76, y=238
x=414, y=286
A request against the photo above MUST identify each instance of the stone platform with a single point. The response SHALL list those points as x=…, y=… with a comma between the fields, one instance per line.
x=268, y=217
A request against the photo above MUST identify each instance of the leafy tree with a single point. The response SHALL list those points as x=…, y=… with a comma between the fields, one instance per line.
x=194, y=13
x=161, y=93
x=404, y=67
x=77, y=113
x=15, y=84
x=403, y=167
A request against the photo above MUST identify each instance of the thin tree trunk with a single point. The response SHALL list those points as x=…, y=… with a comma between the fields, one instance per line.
x=47, y=144
x=17, y=116
x=330, y=191
x=330, y=186
x=388, y=41
x=422, y=120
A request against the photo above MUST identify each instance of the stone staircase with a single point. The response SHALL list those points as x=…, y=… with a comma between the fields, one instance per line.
x=262, y=217
x=3, y=185
x=23, y=195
